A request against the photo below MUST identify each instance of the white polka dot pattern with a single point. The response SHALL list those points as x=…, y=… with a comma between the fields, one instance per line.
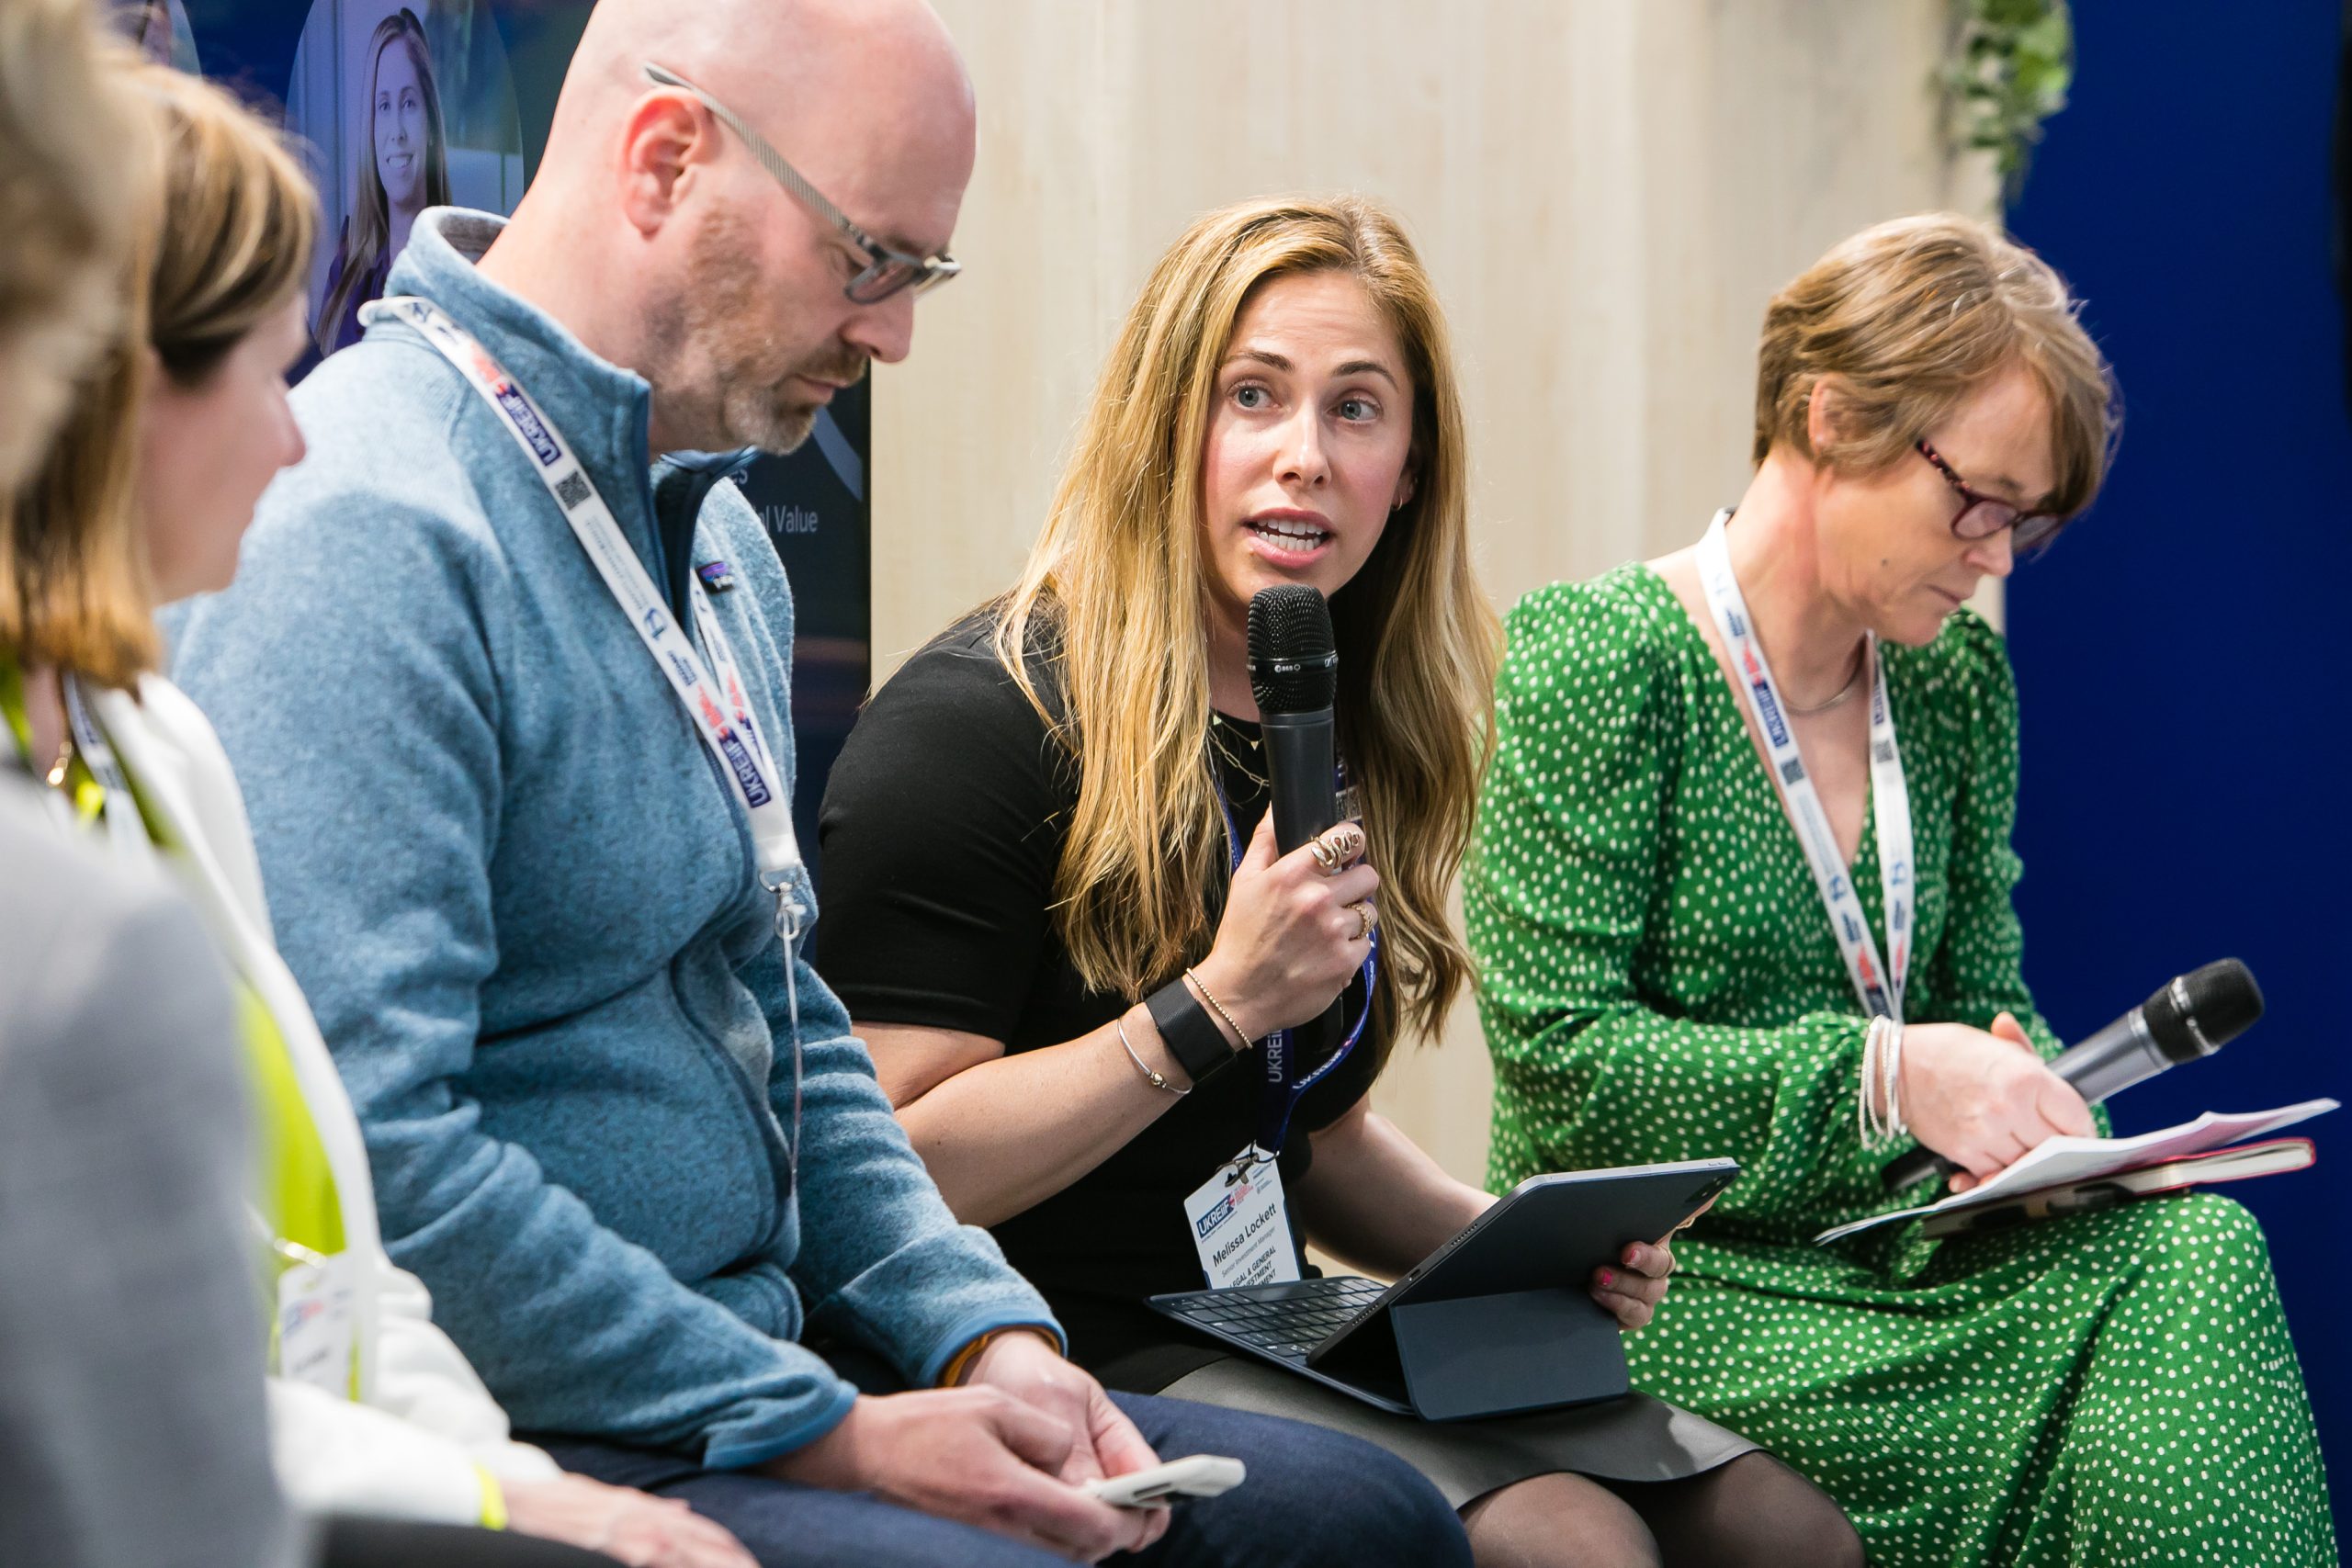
x=1660, y=982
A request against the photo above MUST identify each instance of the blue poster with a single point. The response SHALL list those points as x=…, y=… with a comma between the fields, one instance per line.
x=398, y=107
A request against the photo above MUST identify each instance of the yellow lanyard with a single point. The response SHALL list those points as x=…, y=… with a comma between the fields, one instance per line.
x=297, y=1198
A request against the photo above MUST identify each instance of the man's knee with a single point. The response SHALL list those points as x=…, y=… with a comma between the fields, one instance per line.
x=1314, y=1497
x=1335, y=1499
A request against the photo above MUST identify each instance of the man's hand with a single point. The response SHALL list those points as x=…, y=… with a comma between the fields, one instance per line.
x=627, y=1526
x=1029, y=1367
x=976, y=1454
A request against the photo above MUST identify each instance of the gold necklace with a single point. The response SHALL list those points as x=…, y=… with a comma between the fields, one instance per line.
x=1218, y=728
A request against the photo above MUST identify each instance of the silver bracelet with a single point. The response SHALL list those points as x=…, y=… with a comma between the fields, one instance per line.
x=1869, y=1077
x=1157, y=1079
x=1897, y=1129
x=1869, y=1123
x=1881, y=1071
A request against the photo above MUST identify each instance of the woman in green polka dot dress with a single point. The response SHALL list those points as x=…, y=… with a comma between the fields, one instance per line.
x=1662, y=980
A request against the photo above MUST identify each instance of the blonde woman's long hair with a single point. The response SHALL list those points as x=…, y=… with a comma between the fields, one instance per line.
x=1114, y=603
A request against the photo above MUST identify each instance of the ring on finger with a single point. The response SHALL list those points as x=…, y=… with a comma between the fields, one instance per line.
x=1365, y=918
x=1336, y=846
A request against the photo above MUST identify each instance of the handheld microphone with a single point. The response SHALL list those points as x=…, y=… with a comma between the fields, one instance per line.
x=2194, y=1016
x=1295, y=675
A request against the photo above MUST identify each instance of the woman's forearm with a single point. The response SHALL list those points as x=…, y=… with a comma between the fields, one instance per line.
x=1001, y=1133
x=1375, y=1200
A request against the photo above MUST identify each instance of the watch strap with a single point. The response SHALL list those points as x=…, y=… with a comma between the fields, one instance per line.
x=1191, y=1036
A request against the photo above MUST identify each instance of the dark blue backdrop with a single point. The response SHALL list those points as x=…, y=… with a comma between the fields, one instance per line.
x=2181, y=656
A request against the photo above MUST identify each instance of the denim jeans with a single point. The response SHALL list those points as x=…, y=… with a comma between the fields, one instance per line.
x=1314, y=1499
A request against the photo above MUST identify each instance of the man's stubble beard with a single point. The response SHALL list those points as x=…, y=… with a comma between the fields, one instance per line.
x=742, y=367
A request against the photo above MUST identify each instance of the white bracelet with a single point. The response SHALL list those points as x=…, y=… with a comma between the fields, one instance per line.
x=1863, y=1117
x=1897, y=1129
x=1876, y=1125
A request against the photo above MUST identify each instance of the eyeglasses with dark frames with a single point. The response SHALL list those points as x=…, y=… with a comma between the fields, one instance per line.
x=1981, y=516
x=888, y=269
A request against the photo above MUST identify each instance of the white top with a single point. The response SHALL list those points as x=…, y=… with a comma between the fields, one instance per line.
x=409, y=1446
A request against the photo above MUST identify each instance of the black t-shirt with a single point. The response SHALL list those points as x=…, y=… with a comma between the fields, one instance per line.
x=942, y=831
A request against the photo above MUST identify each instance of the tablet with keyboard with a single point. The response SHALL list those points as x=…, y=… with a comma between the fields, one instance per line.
x=1497, y=1321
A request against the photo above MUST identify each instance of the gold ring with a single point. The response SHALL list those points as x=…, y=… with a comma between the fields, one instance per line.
x=1363, y=919
x=1336, y=846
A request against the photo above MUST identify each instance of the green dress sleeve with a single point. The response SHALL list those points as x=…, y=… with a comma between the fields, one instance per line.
x=1977, y=970
x=1570, y=876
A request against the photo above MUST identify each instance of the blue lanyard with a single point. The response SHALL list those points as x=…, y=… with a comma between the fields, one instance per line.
x=1279, y=1091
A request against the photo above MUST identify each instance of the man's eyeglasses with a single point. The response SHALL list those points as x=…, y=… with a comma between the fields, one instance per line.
x=1981, y=516
x=888, y=270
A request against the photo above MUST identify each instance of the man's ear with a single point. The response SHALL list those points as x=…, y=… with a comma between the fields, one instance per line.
x=665, y=142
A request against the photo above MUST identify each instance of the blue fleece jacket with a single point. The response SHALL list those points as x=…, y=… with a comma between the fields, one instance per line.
x=523, y=904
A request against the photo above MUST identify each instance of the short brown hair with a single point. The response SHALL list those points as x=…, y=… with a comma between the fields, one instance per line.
x=1913, y=316
x=74, y=176
x=232, y=244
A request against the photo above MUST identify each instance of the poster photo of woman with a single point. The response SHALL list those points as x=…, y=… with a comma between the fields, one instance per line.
x=404, y=168
x=403, y=111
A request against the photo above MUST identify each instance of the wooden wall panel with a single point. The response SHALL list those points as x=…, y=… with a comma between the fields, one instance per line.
x=1606, y=193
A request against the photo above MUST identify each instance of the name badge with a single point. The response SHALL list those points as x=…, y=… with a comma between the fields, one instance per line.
x=315, y=1325
x=1240, y=1225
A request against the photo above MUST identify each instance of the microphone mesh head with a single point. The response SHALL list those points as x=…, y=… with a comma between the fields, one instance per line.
x=2204, y=1009
x=1293, y=662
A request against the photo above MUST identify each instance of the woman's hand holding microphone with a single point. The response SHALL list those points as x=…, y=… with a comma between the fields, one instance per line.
x=1983, y=1099
x=1296, y=929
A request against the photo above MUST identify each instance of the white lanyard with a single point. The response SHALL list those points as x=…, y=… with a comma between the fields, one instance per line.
x=1880, y=988
x=126, y=832
x=730, y=735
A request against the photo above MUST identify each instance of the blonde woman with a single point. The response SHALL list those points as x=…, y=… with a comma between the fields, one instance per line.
x=373, y=1411
x=1037, y=824
x=1671, y=967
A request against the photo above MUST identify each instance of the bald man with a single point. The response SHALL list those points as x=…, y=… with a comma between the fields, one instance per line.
x=505, y=678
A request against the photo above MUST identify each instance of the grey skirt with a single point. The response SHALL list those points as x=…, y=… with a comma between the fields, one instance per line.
x=1633, y=1439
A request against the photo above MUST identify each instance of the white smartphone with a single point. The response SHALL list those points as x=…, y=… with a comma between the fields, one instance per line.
x=1201, y=1475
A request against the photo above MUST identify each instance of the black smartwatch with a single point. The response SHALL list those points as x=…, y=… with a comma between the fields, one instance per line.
x=1191, y=1036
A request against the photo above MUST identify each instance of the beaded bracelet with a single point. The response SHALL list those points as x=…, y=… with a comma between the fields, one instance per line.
x=1210, y=996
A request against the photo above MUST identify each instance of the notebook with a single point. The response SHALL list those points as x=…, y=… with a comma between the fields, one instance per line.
x=2071, y=1162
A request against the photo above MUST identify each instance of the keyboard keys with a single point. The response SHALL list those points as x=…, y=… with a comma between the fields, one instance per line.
x=1286, y=1320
